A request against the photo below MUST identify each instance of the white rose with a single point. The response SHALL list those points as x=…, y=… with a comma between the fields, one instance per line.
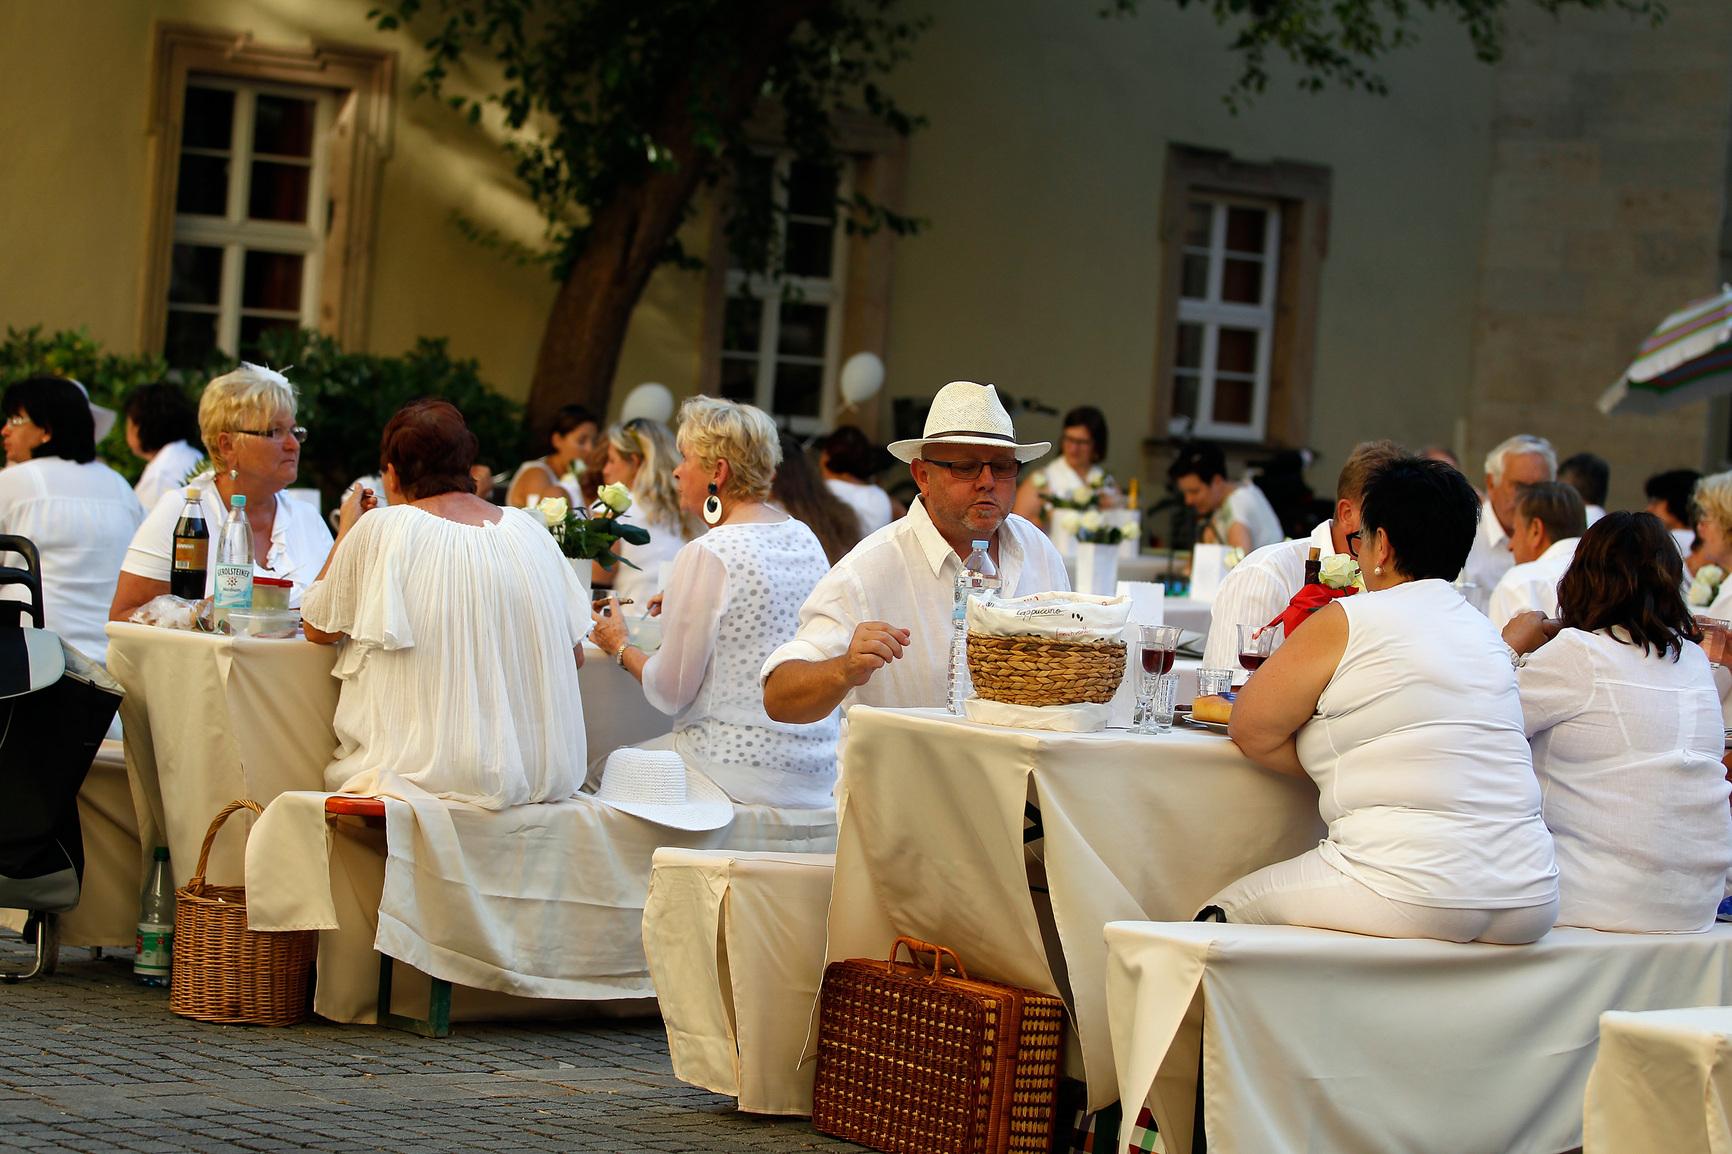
x=1711, y=575
x=1091, y=520
x=553, y=510
x=1700, y=592
x=615, y=496
x=1039, y=479
x=1338, y=571
x=1065, y=520
x=1231, y=558
x=1096, y=476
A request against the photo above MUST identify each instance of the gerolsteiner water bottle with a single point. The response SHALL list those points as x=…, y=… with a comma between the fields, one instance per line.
x=234, y=568
x=978, y=578
x=150, y=965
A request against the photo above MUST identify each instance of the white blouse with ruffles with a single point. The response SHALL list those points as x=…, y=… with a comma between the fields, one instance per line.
x=458, y=672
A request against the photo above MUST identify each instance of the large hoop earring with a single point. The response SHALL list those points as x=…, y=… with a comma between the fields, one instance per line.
x=712, y=507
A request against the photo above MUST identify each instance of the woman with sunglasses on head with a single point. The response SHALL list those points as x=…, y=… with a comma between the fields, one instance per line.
x=247, y=421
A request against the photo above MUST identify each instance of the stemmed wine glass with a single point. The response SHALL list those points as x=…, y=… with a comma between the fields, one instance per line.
x=1256, y=643
x=1157, y=688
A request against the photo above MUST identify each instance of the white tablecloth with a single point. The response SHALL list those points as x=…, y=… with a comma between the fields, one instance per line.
x=1662, y=1081
x=735, y=943
x=931, y=845
x=1313, y=1040
x=209, y=719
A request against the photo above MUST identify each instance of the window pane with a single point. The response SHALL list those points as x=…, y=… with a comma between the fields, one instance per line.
x=1242, y=281
x=272, y=281
x=1185, y=395
x=283, y=126
x=1198, y=216
x=802, y=330
x=1245, y=228
x=189, y=338
x=809, y=248
x=203, y=185
x=279, y=191
x=811, y=190
x=195, y=274
x=743, y=324
x=799, y=389
x=1233, y=401
x=740, y=379
x=252, y=328
x=1189, y=354
x=1236, y=351
x=1194, y=278
x=209, y=119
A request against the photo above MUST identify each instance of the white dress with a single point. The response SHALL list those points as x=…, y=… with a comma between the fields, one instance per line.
x=165, y=471
x=458, y=673
x=870, y=503
x=1627, y=747
x=645, y=581
x=734, y=595
x=81, y=518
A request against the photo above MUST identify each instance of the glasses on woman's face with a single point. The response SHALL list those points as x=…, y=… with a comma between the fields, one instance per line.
x=277, y=433
x=969, y=470
x=1353, y=544
x=19, y=421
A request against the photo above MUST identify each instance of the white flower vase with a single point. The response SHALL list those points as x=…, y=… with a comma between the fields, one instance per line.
x=584, y=570
x=1097, y=568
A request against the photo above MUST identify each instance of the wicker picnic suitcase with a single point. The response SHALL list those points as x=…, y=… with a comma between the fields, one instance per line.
x=915, y=1060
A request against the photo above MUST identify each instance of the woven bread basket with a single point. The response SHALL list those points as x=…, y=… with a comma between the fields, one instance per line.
x=1038, y=671
x=224, y=972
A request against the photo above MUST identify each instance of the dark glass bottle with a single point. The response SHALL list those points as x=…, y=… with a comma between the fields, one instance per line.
x=191, y=550
x=1314, y=567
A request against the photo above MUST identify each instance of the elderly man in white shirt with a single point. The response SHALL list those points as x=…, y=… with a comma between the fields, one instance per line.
x=876, y=630
x=1262, y=585
x=1521, y=460
x=1550, y=518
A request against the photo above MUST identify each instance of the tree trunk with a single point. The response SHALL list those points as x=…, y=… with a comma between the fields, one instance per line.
x=581, y=343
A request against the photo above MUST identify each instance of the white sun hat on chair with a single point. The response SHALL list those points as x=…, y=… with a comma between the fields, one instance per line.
x=658, y=786
x=968, y=413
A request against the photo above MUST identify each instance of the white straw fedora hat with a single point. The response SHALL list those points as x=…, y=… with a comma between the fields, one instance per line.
x=103, y=416
x=967, y=413
x=658, y=786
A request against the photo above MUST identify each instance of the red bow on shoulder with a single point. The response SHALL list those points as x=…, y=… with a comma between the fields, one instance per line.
x=1307, y=601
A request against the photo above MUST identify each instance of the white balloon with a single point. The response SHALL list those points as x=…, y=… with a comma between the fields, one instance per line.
x=862, y=377
x=650, y=400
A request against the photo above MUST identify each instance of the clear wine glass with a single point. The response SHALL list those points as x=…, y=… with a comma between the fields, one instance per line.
x=1256, y=643
x=1157, y=686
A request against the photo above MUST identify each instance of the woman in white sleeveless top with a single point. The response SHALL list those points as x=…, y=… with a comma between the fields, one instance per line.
x=733, y=597
x=559, y=473
x=1401, y=704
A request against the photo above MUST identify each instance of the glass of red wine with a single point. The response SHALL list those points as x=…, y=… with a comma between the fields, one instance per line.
x=1157, y=686
x=1256, y=643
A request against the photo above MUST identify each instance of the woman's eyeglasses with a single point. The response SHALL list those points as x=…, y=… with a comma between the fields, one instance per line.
x=298, y=432
x=19, y=421
x=969, y=470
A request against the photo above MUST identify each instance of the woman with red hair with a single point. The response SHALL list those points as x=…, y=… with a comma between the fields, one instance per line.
x=462, y=629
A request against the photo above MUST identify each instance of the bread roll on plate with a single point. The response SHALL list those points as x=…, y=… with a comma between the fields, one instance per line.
x=1216, y=707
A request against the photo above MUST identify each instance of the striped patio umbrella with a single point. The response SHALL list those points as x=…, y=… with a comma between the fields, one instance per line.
x=1688, y=358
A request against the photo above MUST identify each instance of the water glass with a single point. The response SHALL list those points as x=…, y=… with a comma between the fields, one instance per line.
x=1213, y=682
x=1157, y=684
x=1716, y=639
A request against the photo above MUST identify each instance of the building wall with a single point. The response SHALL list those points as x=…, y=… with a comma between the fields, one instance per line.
x=1607, y=188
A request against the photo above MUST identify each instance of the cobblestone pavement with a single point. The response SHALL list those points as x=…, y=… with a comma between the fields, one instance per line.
x=90, y=1061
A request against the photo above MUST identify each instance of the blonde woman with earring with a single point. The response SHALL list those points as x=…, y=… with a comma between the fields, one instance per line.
x=733, y=596
x=641, y=455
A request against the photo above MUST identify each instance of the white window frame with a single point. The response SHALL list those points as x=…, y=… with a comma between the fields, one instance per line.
x=770, y=292
x=1212, y=314
x=235, y=233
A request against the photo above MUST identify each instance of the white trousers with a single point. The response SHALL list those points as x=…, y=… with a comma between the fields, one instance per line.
x=1308, y=891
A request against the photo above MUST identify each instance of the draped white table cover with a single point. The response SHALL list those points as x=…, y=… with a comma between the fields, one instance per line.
x=931, y=845
x=1662, y=1081
x=1314, y=1040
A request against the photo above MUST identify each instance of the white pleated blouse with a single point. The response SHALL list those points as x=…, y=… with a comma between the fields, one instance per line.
x=457, y=669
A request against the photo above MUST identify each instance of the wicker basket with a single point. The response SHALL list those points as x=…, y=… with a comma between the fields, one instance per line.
x=224, y=972
x=1036, y=671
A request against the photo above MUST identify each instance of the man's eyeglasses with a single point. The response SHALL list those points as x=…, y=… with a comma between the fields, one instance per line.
x=1353, y=544
x=969, y=470
x=298, y=432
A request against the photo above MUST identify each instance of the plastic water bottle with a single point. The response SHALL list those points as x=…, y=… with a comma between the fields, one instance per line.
x=979, y=578
x=150, y=965
x=234, y=568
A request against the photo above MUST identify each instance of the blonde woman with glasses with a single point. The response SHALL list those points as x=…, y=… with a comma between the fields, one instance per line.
x=641, y=455
x=247, y=421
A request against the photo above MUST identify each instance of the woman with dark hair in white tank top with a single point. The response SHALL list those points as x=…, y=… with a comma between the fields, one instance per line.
x=1401, y=704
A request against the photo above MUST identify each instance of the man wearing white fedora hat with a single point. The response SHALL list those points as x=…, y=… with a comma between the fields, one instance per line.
x=876, y=629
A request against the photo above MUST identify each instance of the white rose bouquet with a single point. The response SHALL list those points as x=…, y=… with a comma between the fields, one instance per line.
x=1340, y=571
x=591, y=534
x=1094, y=529
x=1705, y=585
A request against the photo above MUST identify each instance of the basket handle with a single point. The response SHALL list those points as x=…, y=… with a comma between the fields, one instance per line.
x=915, y=945
x=216, y=825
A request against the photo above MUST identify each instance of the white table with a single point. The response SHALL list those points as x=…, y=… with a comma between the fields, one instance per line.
x=931, y=845
x=1314, y=1040
x=1662, y=1081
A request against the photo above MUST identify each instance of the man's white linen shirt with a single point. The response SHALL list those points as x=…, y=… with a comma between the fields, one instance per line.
x=1257, y=589
x=1532, y=584
x=1489, y=558
x=905, y=574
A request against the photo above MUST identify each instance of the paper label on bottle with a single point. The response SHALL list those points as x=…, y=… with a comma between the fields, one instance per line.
x=234, y=586
x=155, y=950
x=191, y=552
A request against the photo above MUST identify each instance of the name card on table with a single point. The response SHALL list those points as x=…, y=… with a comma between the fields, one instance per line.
x=1208, y=568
